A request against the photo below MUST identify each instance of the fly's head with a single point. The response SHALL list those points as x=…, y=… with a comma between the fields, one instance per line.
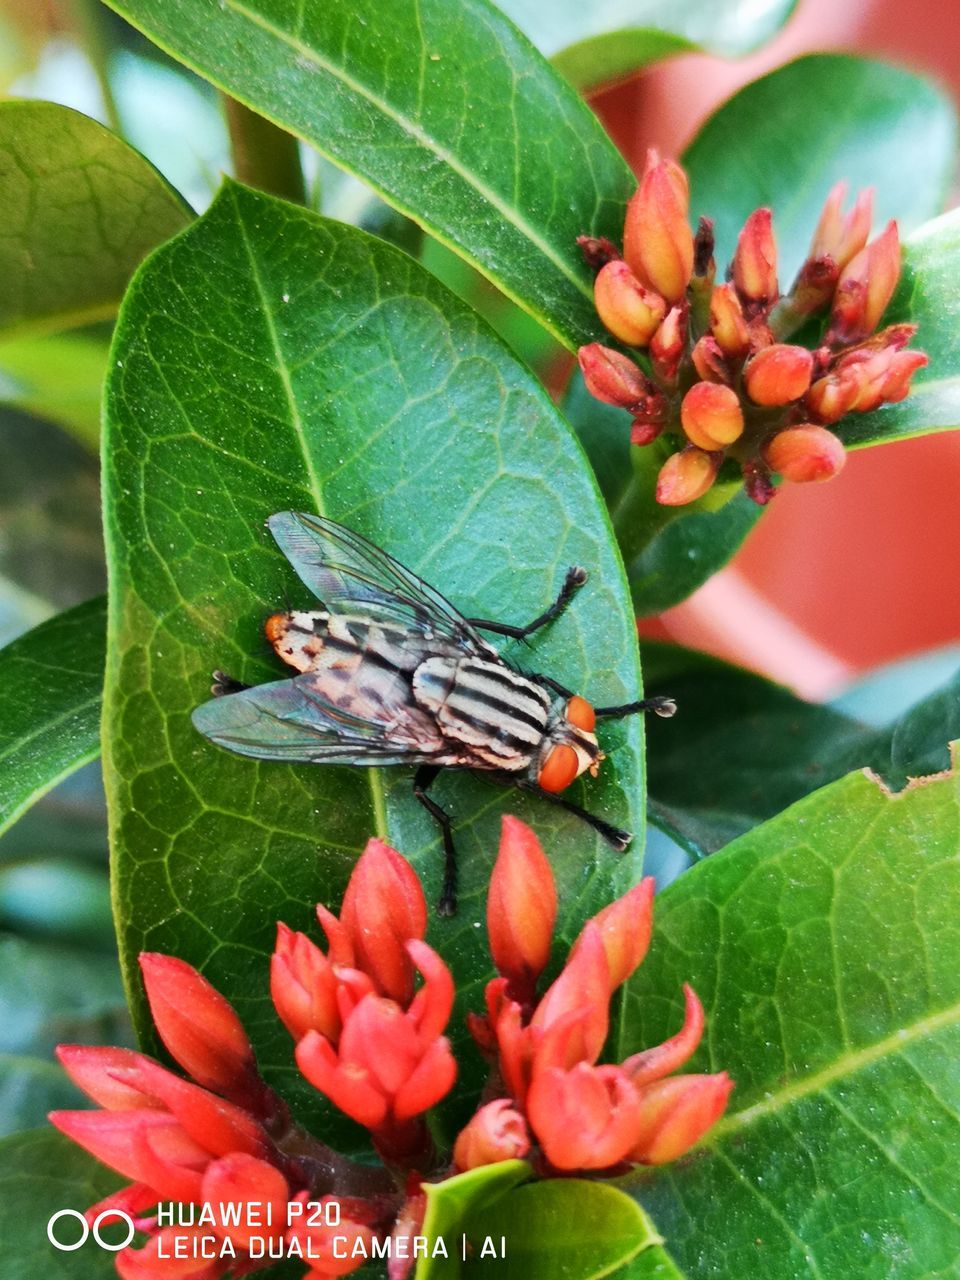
x=569, y=747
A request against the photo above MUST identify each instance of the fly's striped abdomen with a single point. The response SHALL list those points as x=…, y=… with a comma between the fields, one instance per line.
x=496, y=713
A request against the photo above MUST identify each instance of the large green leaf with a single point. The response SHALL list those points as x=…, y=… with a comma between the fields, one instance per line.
x=79, y=210
x=268, y=360
x=51, y=680
x=591, y=43
x=41, y=1172
x=874, y=125
x=445, y=110
x=826, y=948
x=758, y=747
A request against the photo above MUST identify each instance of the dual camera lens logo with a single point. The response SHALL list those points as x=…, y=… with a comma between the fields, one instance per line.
x=55, y=1231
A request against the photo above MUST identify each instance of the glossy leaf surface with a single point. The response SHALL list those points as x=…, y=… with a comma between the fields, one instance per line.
x=826, y=949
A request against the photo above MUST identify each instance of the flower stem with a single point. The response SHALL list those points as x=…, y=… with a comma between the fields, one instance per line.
x=264, y=155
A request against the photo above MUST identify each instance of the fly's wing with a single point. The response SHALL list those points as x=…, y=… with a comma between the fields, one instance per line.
x=291, y=720
x=351, y=575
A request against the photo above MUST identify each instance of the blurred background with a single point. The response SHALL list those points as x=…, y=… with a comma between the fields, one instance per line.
x=839, y=592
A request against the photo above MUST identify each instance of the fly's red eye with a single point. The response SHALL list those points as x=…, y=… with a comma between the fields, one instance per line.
x=581, y=714
x=559, y=769
x=276, y=628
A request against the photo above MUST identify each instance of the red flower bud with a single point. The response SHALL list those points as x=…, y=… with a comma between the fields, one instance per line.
x=653, y=1064
x=631, y=312
x=645, y=431
x=625, y=926
x=613, y=378
x=497, y=1132
x=521, y=909
x=248, y=1198
x=329, y=1250
x=585, y=1118
x=727, y=324
x=146, y=1146
x=778, y=374
x=805, y=453
x=712, y=418
x=686, y=476
x=582, y=988
x=903, y=366
x=303, y=985
x=865, y=287
x=675, y=1114
x=755, y=260
x=198, y=1025
x=383, y=908
x=840, y=236
x=657, y=240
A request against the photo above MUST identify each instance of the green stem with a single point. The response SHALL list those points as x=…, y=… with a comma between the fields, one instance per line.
x=264, y=155
x=88, y=21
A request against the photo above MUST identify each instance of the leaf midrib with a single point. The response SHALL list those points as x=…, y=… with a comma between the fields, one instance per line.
x=847, y=1064
x=377, y=798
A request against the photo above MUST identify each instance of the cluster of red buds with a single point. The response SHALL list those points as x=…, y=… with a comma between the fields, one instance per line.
x=715, y=368
x=371, y=1039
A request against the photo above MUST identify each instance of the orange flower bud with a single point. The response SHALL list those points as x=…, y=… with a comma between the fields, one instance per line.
x=708, y=360
x=657, y=240
x=904, y=365
x=585, y=1118
x=778, y=374
x=667, y=344
x=675, y=1114
x=612, y=377
x=625, y=926
x=840, y=236
x=755, y=260
x=582, y=990
x=521, y=909
x=383, y=908
x=712, y=418
x=805, y=453
x=631, y=312
x=727, y=323
x=497, y=1132
x=865, y=287
x=303, y=986
x=687, y=475
x=831, y=397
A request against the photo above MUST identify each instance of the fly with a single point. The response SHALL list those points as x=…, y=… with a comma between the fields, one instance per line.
x=389, y=672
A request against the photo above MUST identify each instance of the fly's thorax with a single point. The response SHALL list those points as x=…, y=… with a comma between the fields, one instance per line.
x=570, y=746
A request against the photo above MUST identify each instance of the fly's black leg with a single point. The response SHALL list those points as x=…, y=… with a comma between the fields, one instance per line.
x=422, y=779
x=613, y=835
x=556, y=686
x=661, y=706
x=574, y=580
x=224, y=684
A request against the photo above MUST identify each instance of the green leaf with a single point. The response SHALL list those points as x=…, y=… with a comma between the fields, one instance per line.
x=593, y=43
x=826, y=948
x=51, y=994
x=323, y=370
x=57, y=377
x=448, y=1204
x=41, y=1172
x=52, y=543
x=758, y=748
x=51, y=680
x=448, y=113
x=564, y=1229
x=784, y=140
x=79, y=209
x=926, y=297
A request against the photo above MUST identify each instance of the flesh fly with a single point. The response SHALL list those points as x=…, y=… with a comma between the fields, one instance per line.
x=390, y=673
